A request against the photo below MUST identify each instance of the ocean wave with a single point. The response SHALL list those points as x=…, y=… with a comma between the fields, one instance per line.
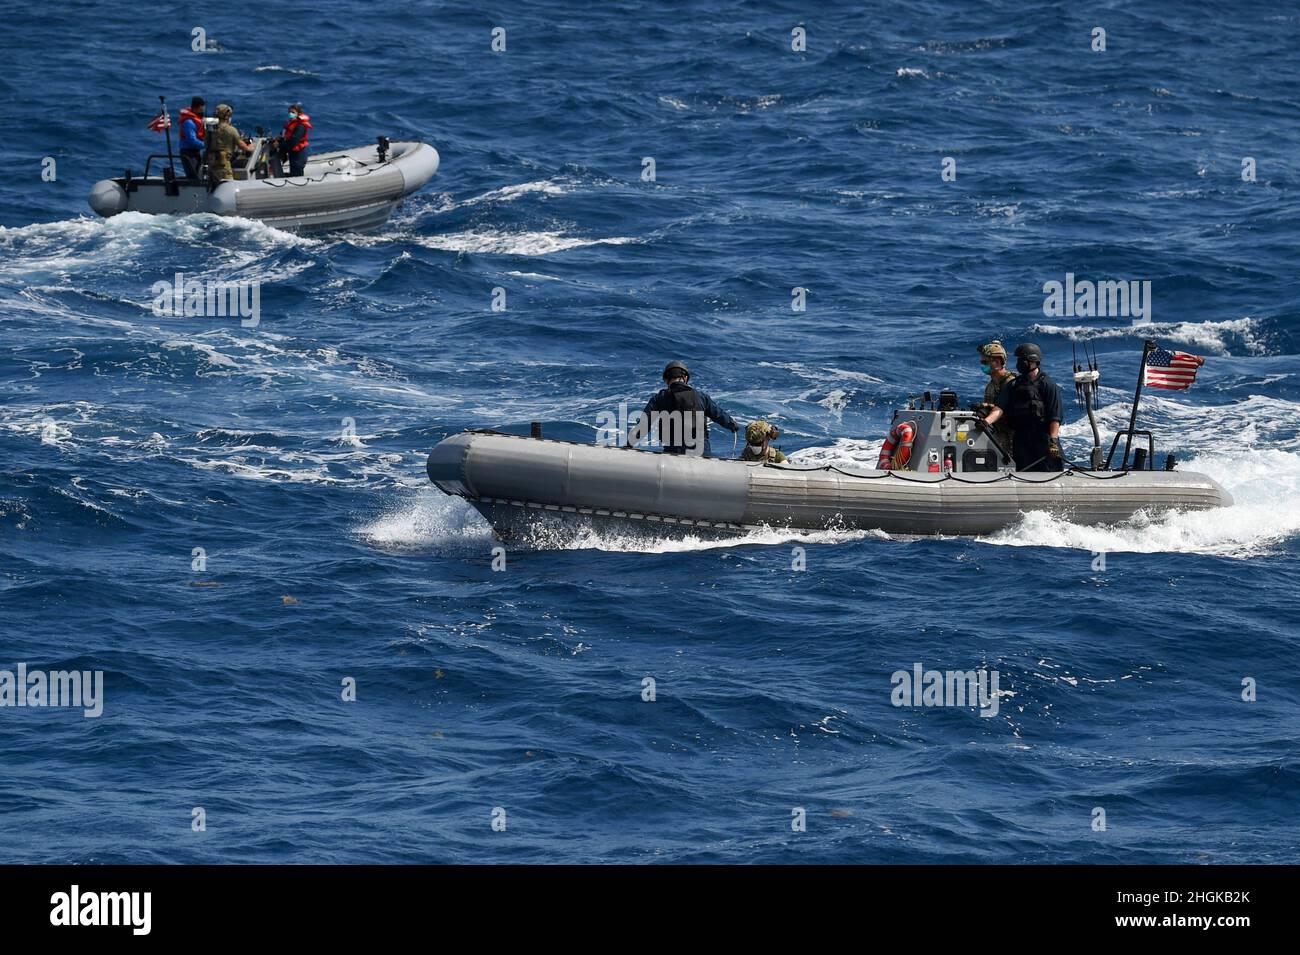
x=277, y=68
x=544, y=187
x=490, y=241
x=67, y=249
x=450, y=525
x=1265, y=514
x=426, y=520
x=1212, y=336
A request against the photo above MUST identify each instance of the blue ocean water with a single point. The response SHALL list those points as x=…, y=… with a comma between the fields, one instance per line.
x=292, y=453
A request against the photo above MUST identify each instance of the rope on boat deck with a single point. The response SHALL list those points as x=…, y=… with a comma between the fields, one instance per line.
x=329, y=172
x=1011, y=476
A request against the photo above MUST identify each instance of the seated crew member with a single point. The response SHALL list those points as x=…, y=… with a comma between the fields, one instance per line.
x=758, y=443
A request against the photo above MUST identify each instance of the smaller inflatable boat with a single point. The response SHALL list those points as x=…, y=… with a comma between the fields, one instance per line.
x=350, y=189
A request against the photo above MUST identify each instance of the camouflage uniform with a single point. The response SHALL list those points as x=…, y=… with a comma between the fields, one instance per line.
x=1002, y=428
x=223, y=142
x=771, y=454
x=756, y=447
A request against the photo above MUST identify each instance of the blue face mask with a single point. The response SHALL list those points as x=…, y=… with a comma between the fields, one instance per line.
x=986, y=369
x=293, y=115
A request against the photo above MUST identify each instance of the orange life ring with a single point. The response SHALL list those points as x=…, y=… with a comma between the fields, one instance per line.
x=897, y=449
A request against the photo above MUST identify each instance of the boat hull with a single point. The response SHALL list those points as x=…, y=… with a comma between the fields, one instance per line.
x=523, y=484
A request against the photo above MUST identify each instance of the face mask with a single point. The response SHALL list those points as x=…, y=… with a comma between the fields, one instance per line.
x=986, y=369
x=1022, y=366
x=293, y=115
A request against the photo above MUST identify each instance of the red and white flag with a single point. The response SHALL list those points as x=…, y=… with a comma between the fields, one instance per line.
x=1172, y=370
x=161, y=122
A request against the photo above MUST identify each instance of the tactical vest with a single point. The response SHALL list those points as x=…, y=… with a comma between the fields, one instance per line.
x=684, y=400
x=994, y=386
x=1027, y=405
x=223, y=144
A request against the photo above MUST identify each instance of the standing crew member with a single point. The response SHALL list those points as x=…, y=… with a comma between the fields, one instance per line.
x=758, y=443
x=293, y=141
x=1032, y=403
x=192, y=136
x=677, y=412
x=994, y=365
x=223, y=142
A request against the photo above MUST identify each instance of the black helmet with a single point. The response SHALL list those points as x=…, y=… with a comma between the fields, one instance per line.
x=675, y=369
x=1029, y=352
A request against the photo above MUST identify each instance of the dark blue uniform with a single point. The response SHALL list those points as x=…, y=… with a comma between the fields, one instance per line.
x=675, y=435
x=1030, y=406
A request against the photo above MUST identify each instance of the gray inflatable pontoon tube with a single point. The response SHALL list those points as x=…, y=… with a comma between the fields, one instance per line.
x=517, y=482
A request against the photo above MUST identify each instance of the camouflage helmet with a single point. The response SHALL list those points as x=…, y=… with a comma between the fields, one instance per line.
x=758, y=432
x=224, y=111
x=993, y=349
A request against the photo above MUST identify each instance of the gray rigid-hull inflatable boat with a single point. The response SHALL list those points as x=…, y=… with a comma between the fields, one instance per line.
x=529, y=488
x=349, y=189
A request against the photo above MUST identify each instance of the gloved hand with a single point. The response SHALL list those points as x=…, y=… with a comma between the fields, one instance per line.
x=1053, y=448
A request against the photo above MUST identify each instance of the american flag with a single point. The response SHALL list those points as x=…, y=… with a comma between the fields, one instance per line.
x=1173, y=370
x=161, y=122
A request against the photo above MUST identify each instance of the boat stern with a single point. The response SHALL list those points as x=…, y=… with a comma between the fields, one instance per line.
x=107, y=198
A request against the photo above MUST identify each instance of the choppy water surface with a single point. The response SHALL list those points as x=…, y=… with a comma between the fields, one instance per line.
x=292, y=452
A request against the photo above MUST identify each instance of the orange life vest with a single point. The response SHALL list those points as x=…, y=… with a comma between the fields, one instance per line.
x=187, y=113
x=302, y=119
